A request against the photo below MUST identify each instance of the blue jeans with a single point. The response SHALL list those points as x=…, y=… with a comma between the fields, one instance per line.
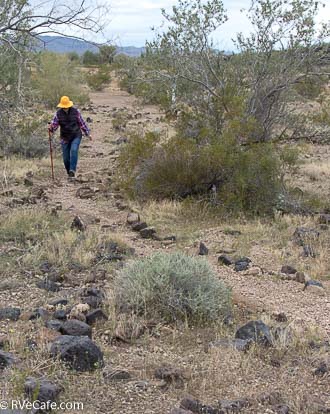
x=70, y=154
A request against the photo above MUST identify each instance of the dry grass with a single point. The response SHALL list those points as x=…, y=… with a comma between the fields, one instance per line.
x=14, y=169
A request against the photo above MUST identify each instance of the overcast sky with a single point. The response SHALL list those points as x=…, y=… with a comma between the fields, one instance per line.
x=131, y=21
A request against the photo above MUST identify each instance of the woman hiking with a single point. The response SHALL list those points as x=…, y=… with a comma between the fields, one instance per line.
x=71, y=124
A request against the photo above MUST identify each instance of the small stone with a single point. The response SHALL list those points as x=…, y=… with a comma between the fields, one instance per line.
x=7, y=359
x=61, y=314
x=11, y=314
x=191, y=404
x=301, y=277
x=203, y=250
x=324, y=219
x=288, y=270
x=116, y=375
x=256, y=331
x=281, y=409
x=74, y=327
x=170, y=375
x=60, y=301
x=48, y=285
x=225, y=260
x=148, y=233
x=241, y=265
x=28, y=182
x=180, y=411
x=95, y=316
x=54, y=325
x=133, y=218
x=280, y=317
x=139, y=226
x=78, y=224
x=322, y=369
x=233, y=405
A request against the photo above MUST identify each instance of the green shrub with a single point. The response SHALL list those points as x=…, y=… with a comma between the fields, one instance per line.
x=173, y=287
x=243, y=177
x=28, y=140
x=56, y=75
x=99, y=79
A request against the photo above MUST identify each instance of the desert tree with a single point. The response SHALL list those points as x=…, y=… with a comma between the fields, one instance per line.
x=251, y=88
x=21, y=24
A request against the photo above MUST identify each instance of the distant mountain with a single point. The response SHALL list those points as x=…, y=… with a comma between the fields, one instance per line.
x=61, y=44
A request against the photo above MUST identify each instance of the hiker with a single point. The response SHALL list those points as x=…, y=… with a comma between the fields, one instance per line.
x=71, y=124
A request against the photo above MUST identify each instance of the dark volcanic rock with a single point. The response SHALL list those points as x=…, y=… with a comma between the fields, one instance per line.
x=42, y=389
x=7, y=359
x=96, y=315
x=55, y=325
x=288, y=270
x=139, y=226
x=225, y=260
x=203, y=250
x=78, y=352
x=47, y=284
x=74, y=327
x=12, y=314
x=256, y=331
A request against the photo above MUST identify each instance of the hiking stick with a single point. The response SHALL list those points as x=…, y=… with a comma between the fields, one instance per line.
x=51, y=153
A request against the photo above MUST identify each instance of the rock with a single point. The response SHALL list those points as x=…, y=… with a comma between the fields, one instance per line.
x=180, y=411
x=48, y=285
x=197, y=407
x=74, y=327
x=39, y=313
x=203, y=250
x=28, y=182
x=170, y=375
x=54, y=325
x=93, y=301
x=303, y=235
x=78, y=224
x=96, y=315
x=4, y=341
x=322, y=369
x=281, y=409
x=315, y=287
x=288, y=270
x=253, y=271
x=41, y=389
x=237, y=344
x=85, y=193
x=270, y=398
x=169, y=238
x=78, y=352
x=12, y=314
x=116, y=375
x=133, y=218
x=242, y=264
x=60, y=301
x=324, y=219
x=92, y=291
x=256, y=331
x=225, y=260
x=301, y=277
x=139, y=226
x=233, y=406
x=308, y=251
x=61, y=314
x=280, y=317
x=7, y=359
x=148, y=233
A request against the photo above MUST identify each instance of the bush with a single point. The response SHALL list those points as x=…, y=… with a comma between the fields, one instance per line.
x=243, y=177
x=173, y=287
x=57, y=75
x=97, y=80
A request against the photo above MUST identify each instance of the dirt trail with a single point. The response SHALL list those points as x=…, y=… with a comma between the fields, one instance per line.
x=263, y=293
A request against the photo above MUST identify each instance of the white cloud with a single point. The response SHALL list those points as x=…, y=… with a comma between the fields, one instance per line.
x=131, y=20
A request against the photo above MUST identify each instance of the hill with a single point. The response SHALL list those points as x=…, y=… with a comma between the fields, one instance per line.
x=61, y=44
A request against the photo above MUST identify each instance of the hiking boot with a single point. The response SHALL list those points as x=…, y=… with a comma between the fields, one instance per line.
x=71, y=174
